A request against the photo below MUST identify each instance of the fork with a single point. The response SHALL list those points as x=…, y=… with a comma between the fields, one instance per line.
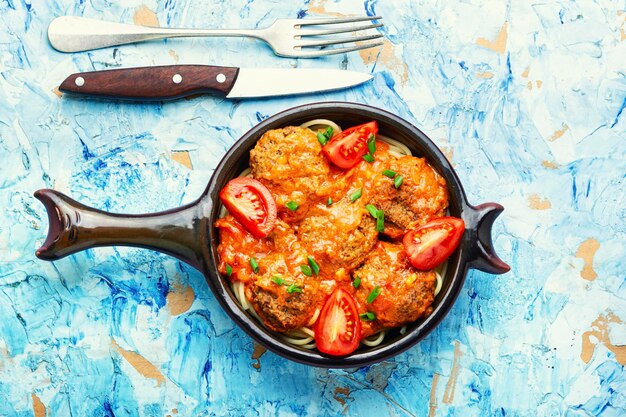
x=287, y=37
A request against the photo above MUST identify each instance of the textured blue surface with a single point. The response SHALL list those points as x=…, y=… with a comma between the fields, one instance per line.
x=527, y=100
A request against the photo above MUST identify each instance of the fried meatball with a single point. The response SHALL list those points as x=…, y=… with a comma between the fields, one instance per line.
x=421, y=197
x=290, y=164
x=280, y=310
x=339, y=237
x=406, y=294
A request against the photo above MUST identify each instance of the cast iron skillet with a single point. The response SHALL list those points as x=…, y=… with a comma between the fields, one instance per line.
x=187, y=232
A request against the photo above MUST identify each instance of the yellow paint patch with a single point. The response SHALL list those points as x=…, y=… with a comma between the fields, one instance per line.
x=497, y=45
x=559, y=132
x=386, y=55
x=486, y=74
x=586, y=251
x=539, y=83
x=39, y=410
x=600, y=331
x=448, y=394
x=535, y=202
x=526, y=72
x=141, y=364
x=146, y=17
x=183, y=158
x=432, y=405
x=529, y=85
x=179, y=299
x=319, y=7
x=341, y=395
x=448, y=151
x=549, y=164
x=256, y=355
x=57, y=92
x=174, y=55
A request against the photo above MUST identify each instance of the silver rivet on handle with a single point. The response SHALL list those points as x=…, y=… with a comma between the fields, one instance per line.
x=177, y=78
x=79, y=81
x=220, y=78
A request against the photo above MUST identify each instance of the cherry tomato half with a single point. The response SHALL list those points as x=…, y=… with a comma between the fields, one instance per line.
x=346, y=149
x=338, y=330
x=251, y=203
x=431, y=244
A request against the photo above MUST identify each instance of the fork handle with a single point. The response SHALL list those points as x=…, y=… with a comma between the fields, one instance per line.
x=153, y=83
x=77, y=34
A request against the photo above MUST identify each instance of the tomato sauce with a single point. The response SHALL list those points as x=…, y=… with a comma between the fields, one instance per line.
x=332, y=226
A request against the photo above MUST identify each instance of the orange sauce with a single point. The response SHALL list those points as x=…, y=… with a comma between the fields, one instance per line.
x=341, y=237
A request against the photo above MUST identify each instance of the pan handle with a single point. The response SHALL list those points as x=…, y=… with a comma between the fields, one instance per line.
x=479, y=219
x=74, y=227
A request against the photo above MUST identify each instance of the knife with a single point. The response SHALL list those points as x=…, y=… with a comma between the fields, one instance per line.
x=176, y=81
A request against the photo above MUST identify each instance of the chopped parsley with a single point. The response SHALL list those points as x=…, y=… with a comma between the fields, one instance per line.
x=356, y=282
x=229, y=270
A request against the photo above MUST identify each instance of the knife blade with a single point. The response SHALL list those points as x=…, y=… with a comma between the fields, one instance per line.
x=176, y=81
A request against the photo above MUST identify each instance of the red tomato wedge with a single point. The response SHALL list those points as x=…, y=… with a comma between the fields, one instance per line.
x=346, y=149
x=338, y=330
x=251, y=203
x=431, y=244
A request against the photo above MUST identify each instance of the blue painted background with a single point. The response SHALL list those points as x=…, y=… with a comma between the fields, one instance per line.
x=527, y=100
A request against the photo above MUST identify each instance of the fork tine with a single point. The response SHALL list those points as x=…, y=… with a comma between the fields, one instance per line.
x=337, y=41
x=334, y=20
x=334, y=51
x=340, y=30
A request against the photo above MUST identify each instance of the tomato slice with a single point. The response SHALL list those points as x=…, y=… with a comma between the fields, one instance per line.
x=346, y=149
x=431, y=244
x=251, y=203
x=338, y=329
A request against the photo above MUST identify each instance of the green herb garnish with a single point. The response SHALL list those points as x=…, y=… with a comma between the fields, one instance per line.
x=389, y=173
x=314, y=266
x=254, y=264
x=356, y=282
x=356, y=195
x=368, y=158
x=373, y=294
x=380, y=221
x=373, y=210
x=278, y=280
x=369, y=316
x=229, y=270
x=324, y=137
x=306, y=270
x=371, y=144
x=294, y=288
x=292, y=205
x=397, y=182
x=329, y=202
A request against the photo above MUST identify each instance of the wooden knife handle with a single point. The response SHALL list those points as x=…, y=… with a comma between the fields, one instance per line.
x=153, y=83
